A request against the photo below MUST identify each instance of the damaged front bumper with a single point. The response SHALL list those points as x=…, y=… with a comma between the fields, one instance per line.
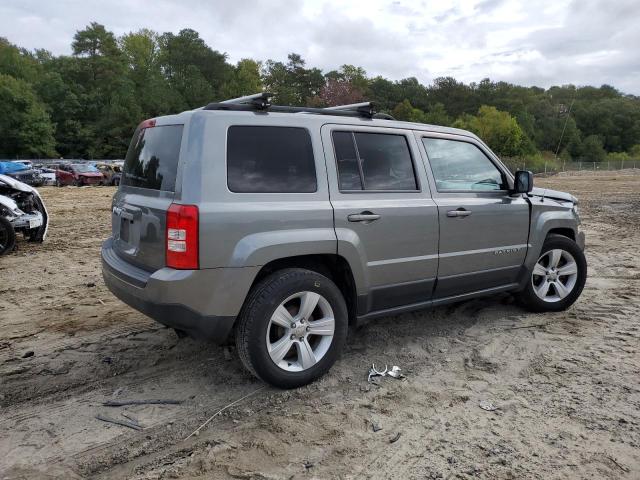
x=23, y=207
x=28, y=221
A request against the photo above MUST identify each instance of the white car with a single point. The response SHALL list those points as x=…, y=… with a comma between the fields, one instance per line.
x=48, y=175
x=21, y=210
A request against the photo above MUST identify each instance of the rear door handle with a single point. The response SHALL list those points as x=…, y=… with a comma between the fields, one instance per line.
x=461, y=212
x=364, y=217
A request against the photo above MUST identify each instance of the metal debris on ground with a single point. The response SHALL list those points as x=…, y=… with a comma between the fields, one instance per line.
x=375, y=373
x=123, y=423
x=196, y=432
x=394, y=372
x=396, y=438
x=121, y=403
x=487, y=405
x=131, y=418
x=375, y=427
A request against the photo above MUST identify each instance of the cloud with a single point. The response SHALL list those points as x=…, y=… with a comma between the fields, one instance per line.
x=531, y=43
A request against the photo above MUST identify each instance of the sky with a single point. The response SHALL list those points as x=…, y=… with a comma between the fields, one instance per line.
x=543, y=43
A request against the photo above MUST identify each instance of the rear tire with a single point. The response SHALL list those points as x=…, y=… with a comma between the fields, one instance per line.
x=292, y=327
x=548, y=290
x=7, y=236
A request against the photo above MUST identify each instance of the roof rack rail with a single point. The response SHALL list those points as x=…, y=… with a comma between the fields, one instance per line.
x=260, y=102
x=366, y=108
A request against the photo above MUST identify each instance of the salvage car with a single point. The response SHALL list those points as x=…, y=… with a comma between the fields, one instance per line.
x=22, y=171
x=21, y=211
x=78, y=174
x=111, y=172
x=284, y=225
x=48, y=175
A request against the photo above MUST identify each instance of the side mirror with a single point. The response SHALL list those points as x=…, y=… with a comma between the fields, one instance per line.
x=523, y=182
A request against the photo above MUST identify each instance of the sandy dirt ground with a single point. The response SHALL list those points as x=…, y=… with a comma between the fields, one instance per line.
x=566, y=385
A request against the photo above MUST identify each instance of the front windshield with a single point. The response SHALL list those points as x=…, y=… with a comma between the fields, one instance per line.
x=84, y=168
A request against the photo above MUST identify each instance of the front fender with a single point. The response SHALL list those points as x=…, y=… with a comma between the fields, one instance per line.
x=547, y=215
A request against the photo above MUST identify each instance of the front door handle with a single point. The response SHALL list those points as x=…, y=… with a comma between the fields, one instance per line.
x=461, y=212
x=365, y=217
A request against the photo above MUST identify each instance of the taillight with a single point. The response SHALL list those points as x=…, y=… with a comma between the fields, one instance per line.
x=150, y=123
x=182, y=237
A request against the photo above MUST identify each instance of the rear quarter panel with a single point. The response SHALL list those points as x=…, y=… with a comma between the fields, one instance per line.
x=250, y=229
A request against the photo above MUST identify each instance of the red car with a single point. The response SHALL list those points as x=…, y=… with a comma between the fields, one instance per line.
x=78, y=174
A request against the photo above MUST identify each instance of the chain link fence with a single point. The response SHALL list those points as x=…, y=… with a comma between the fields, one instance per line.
x=550, y=166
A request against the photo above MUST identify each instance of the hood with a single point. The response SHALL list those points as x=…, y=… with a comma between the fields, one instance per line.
x=16, y=184
x=555, y=194
x=89, y=174
x=9, y=203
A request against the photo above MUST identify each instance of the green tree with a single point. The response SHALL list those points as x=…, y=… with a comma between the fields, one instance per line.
x=498, y=129
x=292, y=83
x=196, y=71
x=437, y=115
x=25, y=126
x=245, y=79
x=592, y=149
x=153, y=93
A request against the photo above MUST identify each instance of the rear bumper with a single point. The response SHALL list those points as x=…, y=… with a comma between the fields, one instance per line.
x=203, y=303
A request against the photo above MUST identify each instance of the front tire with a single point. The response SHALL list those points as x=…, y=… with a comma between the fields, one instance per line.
x=292, y=328
x=7, y=236
x=557, y=278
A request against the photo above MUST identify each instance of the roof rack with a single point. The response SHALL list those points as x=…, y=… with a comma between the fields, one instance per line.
x=365, y=108
x=260, y=102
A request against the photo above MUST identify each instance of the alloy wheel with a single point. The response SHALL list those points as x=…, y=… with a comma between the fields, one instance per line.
x=300, y=331
x=554, y=275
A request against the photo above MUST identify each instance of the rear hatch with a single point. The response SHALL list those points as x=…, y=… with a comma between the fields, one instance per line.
x=145, y=193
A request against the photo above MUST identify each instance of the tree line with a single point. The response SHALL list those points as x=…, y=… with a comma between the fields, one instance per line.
x=87, y=104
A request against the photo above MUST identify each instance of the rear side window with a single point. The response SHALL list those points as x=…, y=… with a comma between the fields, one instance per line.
x=374, y=161
x=270, y=160
x=152, y=158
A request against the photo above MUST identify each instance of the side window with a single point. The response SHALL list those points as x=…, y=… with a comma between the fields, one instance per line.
x=458, y=165
x=373, y=161
x=348, y=166
x=270, y=160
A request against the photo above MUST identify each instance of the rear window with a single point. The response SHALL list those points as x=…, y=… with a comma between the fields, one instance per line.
x=270, y=160
x=152, y=158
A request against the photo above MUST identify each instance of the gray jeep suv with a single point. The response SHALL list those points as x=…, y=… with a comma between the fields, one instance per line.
x=285, y=225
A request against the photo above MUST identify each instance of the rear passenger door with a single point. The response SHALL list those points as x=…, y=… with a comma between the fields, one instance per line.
x=483, y=229
x=385, y=219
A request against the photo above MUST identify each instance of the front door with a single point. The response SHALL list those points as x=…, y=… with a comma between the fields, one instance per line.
x=385, y=219
x=483, y=230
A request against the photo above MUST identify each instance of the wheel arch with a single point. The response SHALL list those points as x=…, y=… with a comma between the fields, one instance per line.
x=544, y=222
x=332, y=266
x=564, y=232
